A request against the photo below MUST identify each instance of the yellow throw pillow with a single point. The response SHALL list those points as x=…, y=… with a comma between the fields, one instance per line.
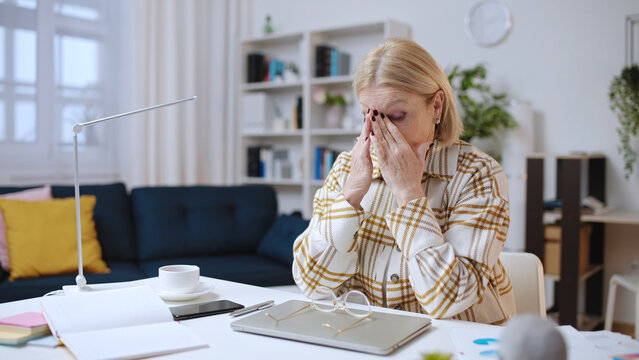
x=41, y=237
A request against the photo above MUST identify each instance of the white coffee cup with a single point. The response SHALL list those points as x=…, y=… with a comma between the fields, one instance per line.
x=179, y=279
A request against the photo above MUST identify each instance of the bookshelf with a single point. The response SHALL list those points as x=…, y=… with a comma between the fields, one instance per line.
x=267, y=112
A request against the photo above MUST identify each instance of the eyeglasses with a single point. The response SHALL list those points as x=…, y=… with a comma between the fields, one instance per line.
x=324, y=299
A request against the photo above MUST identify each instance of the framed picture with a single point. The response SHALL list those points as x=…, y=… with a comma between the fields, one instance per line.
x=632, y=37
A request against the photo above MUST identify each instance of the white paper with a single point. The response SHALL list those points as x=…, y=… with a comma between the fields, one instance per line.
x=612, y=344
x=483, y=344
x=114, y=324
x=132, y=342
x=477, y=344
x=106, y=309
x=578, y=346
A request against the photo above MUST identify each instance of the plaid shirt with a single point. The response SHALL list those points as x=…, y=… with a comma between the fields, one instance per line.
x=437, y=255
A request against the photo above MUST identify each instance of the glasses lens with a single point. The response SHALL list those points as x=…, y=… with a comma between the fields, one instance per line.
x=357, y=303
x=323, y=299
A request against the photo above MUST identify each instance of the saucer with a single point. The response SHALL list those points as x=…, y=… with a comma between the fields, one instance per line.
x=201, y=289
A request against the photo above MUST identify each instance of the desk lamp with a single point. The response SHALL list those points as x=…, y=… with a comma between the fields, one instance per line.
x=80, y=280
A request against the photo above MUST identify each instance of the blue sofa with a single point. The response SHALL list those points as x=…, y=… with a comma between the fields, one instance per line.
x=232, y=233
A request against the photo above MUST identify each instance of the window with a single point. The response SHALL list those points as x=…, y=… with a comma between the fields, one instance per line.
x=53, y=75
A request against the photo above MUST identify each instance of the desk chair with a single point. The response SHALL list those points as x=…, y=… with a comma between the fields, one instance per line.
x=527, y=278
x=630, y=282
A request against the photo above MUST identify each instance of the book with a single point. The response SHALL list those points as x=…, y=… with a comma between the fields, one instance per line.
x=255, y=67
x=344, y=63
x=258, y=111
x=276, y=70
x=300, y=112
x=253, y=160
x=323, y=60
x=294, y=123
x=46, y=341
x=131, y=322
x=16, y=338
x=266, y=162
x=334, y=62
x=29, y=323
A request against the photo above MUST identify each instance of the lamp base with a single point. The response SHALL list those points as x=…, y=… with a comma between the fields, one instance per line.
x=87, y=289
x=81, y=281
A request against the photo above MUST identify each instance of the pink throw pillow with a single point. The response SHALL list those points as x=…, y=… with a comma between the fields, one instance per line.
x=37, y=194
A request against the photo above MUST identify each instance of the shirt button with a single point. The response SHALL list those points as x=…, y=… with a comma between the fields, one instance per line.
x=398, y=307
x=394, y=278
x=355, y=235
x=397, y=248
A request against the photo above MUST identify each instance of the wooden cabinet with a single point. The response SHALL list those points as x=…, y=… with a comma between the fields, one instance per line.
x=577, y=176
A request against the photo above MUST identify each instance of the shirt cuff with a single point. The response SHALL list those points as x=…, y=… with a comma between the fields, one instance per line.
x=343, y=223
x=414, y=227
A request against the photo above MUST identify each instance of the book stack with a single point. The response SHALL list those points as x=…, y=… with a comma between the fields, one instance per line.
x=261, y=68
x=260, y=161
x=20, y=328
x=270, y=163
x=329, y=61
x=324, y=159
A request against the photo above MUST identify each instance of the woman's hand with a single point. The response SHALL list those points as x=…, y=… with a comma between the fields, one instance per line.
x=401, y=167
x=361, y=174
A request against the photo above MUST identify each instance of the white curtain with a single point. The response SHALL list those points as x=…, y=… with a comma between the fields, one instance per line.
x=178, y=50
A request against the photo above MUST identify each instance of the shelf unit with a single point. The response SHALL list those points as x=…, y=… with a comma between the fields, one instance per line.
x=296, y=193
x=571, y=170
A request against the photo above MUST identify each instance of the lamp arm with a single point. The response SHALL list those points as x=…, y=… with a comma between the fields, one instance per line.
x=80, y=280
x=77, y=128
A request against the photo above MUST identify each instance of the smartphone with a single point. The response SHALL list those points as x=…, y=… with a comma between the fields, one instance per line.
x=191, y=311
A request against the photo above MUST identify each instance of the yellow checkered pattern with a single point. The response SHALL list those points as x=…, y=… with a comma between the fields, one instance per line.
x=437, y=255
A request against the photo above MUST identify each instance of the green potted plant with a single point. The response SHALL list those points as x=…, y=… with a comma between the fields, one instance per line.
x=482, y=111
x=624, y=102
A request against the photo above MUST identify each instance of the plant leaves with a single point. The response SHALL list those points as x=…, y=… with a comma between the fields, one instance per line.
x=482, y=112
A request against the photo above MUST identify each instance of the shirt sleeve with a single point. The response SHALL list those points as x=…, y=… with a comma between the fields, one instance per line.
x=450, y=266
x=325, y=254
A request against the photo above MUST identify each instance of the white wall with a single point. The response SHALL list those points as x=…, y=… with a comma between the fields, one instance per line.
x=560, y=56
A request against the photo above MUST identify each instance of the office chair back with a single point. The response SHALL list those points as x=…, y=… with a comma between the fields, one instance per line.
x=527, y=278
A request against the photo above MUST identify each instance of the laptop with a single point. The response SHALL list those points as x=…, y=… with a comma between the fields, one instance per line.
x=380, y=334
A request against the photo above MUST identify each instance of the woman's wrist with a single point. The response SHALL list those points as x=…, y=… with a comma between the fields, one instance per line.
x=410, y=195
x=354, y=201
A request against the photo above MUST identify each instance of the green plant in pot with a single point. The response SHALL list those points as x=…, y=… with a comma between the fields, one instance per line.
x=624, y=102
x=483, y=112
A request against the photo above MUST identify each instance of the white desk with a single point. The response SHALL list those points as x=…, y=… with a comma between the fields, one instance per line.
x=228, y=344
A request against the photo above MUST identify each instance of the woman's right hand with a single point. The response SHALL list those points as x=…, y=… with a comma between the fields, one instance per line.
x=361, y=174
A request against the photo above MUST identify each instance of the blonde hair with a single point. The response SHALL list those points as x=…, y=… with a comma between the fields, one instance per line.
x=404, y=64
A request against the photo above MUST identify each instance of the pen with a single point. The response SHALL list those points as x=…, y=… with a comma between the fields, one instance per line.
x=250, y=309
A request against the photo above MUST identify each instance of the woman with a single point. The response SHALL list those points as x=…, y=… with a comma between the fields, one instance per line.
x=411, y=216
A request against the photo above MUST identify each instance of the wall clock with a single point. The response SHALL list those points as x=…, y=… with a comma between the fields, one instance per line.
x=488, y=22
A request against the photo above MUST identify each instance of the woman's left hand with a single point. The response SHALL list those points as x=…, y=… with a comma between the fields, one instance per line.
x=401, y=167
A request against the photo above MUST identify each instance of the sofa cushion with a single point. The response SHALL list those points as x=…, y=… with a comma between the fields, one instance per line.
x=112, y=215
x=201, y=220
x=41, y=237
x=42, y=193
x=245, y=268
x=278, y=243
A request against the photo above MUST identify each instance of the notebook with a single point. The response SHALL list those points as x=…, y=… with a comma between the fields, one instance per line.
x=381, y=333
x=29, y=323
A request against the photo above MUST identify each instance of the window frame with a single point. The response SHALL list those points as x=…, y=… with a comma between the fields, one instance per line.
x=49, y=160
